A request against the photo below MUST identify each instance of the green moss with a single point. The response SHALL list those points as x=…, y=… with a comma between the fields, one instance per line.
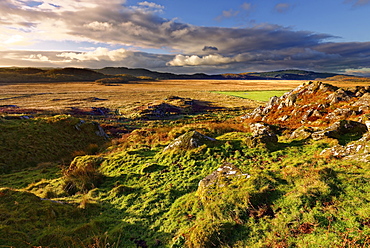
x=293, y=197
x=27, y=143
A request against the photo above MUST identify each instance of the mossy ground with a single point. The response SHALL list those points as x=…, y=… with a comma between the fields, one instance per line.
x=293, y=198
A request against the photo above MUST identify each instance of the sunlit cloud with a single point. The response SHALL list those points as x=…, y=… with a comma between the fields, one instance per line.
x=98, y=54
x=151, y=5
x=98, y=26
x=194, y=60
x=364, y=72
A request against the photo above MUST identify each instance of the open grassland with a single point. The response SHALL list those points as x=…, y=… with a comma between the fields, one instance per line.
x=62, y=184
x=86, y=94
x=64, y=95
x=261, y=95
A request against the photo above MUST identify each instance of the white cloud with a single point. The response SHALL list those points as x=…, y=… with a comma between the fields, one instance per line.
x=151, y=5
x=194, y=60
x=99, y=26
x=99, y=54
x=37, y=57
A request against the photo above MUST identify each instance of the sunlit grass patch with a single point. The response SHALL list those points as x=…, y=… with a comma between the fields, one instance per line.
x=258, y=95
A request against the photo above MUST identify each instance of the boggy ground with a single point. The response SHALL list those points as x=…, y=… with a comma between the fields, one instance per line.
x=133, y=193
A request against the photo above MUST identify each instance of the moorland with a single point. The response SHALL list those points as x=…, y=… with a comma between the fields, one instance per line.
x=97, y=160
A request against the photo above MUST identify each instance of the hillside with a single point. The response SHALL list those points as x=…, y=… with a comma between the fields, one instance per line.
x=275, y=75
x=292, y=173
x=24, y=75
x=9, y=75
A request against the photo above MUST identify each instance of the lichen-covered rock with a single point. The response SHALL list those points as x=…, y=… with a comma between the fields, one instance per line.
x=190, y=140
x=356, y=150
x=340, y=128
x=338, y=96
x=220, y=178
x=364, y=100
x=262, y=133
x=290, y=100
x=260, y=128
x=302, y=133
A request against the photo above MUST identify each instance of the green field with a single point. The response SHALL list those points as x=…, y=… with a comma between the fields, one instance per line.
x=259, y=95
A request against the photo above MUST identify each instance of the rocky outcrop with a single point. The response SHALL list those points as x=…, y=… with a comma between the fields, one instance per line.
x=356, y=150
x=262, y=133
x=341, y=128
x=190, y=140
x=302, y=133
x=170, y=107
x=313, y=102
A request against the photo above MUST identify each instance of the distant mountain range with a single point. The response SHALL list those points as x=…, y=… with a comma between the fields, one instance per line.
x=278, y=75
x=77, y=74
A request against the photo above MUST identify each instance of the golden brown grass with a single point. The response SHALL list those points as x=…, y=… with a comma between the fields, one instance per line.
x=87, y=94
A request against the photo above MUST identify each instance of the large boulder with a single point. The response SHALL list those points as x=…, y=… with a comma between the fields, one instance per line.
x=262, y=133
x=190, y=140
x=341, y=128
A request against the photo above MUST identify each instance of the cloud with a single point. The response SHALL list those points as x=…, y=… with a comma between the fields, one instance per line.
x=102, y=24
x=357, y=3
x=98, y=54
x=151, y=5
x=194, y=60
x=363, y=72
x=209, y=49
x=98, y=58
x=282, y=7
x=246, y=6
x=38, y=57
x=98, y=26
x=227, y=14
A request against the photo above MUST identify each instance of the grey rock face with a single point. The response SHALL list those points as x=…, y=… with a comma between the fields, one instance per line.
x=356, y=150
x=190, y=140
x=302, y=133
x=341, y=128
x=262, y=134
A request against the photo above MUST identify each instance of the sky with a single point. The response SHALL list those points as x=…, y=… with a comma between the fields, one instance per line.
x=192, y=36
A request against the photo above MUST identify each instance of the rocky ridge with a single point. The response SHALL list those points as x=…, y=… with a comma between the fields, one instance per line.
x=317, y=111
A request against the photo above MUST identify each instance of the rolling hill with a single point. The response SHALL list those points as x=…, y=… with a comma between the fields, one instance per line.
x=8, y=75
